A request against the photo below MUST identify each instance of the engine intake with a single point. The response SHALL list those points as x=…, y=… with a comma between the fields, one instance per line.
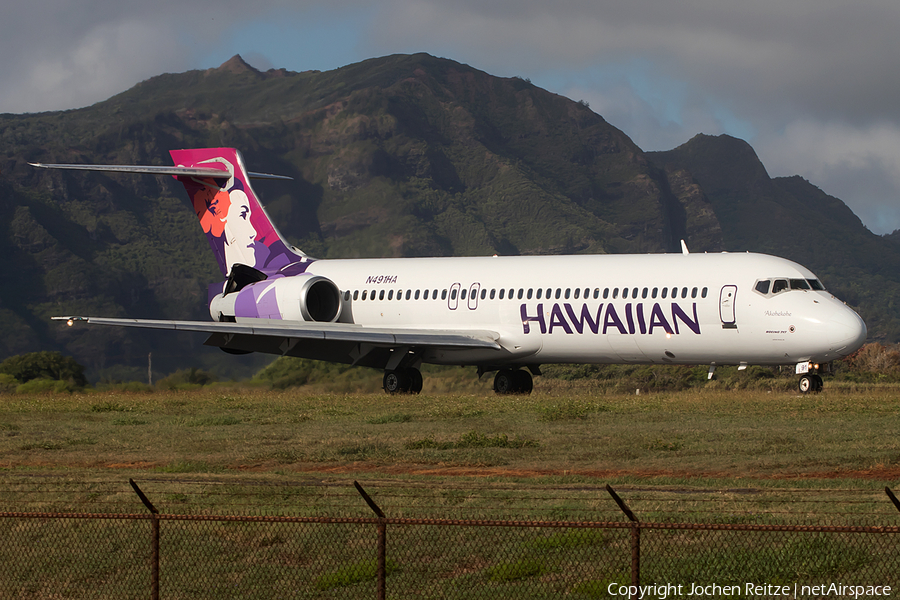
x=320, y=300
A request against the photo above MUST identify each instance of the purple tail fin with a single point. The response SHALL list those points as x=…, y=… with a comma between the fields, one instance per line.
x=236, y=225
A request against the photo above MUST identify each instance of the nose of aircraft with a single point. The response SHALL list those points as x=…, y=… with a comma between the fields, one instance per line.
x=846, y=331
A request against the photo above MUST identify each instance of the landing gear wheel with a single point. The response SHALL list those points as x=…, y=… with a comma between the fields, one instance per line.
x=510, y=381
x=415, y=380
x=504, y=382
x=811, y=383
x=524, y=382
x=395, y=382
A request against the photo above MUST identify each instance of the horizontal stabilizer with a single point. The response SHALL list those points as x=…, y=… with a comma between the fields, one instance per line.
x=148, y=170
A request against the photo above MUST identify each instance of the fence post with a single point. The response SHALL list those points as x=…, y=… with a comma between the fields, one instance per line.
x=154, y=541
x=381, y=545
x=893, y=498
x=635, y=543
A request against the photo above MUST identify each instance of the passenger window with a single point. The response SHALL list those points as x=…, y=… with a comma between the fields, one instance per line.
x=587, y=291
x=577, y=293
x=425, y=295
x=483, y=293
x=634, y=293
x=799, y=284
x=408, y=294
x=704, y=292
x=539, y=292
x=615, y=293
x=763, y=286
x=624, y=293
x=644, y=293
x=417, y=294
x=779, y=285
x=665, y=292
x=549, y=293
x=529, y=293
x=596, y=293
x=521, y=291
x=558, y=293
x=390, y=294
x=654, y=292
x=684, y=292
x=365, y=293
x=694, y=293
x=462, y=295
x=381, y=295
x=492, y=294
x=355, y=295
x=605, y=293
x=511, y=292
x=502, y=293
x=453, y=294
x=568, y=291
x=444, y=294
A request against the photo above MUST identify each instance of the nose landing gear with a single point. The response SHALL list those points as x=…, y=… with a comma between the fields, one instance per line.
x=811, y=382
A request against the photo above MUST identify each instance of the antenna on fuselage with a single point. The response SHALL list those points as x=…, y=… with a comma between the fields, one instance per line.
x=684, y=249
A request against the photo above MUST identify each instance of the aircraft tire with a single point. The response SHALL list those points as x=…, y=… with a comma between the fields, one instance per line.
x=505, y=382
x=415, y=380
x=523, y=382
x=395, y=382
x=806, y=384
x=818, y=384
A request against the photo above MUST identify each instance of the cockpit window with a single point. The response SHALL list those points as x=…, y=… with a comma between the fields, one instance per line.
x=779, y=286
x=763, y=286
x=799, y=284
x=816, y=285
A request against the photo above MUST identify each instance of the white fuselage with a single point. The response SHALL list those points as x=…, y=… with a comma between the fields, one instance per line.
x=655, y=308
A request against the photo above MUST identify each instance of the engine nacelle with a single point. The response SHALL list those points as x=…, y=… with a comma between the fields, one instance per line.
x=297, y=298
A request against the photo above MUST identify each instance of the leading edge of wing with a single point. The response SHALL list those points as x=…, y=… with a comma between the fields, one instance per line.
x=314, y=331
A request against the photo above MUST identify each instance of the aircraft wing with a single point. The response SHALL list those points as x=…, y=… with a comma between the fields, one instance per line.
x=322, y=339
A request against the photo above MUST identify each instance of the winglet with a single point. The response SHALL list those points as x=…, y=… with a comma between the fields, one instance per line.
x=684, y=249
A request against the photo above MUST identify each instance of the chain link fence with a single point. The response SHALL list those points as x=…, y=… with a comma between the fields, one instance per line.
x=191, y=550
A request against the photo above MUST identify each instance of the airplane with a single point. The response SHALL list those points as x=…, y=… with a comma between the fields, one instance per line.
x=503, y=314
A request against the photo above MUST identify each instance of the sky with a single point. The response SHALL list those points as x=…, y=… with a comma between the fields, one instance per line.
x=812, y=85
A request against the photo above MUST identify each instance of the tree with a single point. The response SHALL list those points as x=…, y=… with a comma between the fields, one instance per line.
x=44, y=365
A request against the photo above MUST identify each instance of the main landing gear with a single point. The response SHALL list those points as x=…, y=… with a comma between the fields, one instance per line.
x=403, y=381
x=513, y=381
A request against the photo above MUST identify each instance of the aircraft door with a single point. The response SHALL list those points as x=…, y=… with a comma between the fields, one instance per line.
x=453, y=298
x=473, y=296
x=726, y=306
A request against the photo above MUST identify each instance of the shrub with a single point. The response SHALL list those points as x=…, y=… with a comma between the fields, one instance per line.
x=186, y=379
x=44, y=365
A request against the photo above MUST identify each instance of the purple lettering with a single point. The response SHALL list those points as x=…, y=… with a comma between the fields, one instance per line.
x=640, y=316
x=578, y=322
x=629, y=318
x=678, y=313
x=539, y=318
x=658, y=319
x=558, y=320
x=612, y=320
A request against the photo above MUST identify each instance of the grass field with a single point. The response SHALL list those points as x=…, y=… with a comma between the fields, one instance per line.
x=846, y=436
x=702, y=456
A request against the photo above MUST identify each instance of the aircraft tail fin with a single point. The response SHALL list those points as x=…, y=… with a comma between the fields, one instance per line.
x=234, y=221
x=236, y=225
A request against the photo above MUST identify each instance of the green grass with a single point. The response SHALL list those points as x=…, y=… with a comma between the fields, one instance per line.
x=561, y=430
